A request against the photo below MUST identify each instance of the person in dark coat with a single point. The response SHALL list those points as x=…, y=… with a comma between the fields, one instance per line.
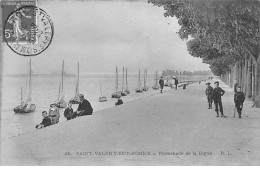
x=46, y=121
x=217, y=93
x=176, y=83
x=161, y=82
x=68, y=112
x=84, y=107
x=209, y=93
x=239, y=98
x=119, y=101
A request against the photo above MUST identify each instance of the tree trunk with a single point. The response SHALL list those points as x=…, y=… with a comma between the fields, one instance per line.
x=253, y=81
x=249, y=79
x=257, y=83
x=245, y=75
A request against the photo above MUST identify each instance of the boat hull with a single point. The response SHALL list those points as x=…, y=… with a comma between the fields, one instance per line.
x=102, y=99
x=116, y=95
x=123, y=93
x=21, y=109
x=145, y=89
x=155, y=87
x=62, y=104
x=127, y=91
x=139, y=90
x=74, y=101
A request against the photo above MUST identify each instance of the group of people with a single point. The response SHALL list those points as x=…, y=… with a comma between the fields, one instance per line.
x=84, y=108
x=215, y=94
x=161, y=82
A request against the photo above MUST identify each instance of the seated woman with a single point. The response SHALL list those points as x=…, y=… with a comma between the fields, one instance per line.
x=119, y=101
x=46, y=121
x=54, y=114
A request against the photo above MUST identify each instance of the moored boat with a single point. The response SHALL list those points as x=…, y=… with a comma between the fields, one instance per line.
x=26, y=106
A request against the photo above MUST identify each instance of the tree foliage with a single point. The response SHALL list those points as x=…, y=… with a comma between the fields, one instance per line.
x=220, y=32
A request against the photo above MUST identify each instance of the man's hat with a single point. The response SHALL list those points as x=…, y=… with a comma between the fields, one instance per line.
x=208, y=83
x=216, y=82
x=81, y=95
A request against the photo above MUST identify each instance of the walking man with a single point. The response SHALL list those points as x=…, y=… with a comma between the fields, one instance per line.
x=176, y=83
x=239, y=98
x=217, y=93
x=161, y=82
x=209, y=93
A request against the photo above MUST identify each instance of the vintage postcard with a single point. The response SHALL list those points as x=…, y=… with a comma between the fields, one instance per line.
x=130, y=83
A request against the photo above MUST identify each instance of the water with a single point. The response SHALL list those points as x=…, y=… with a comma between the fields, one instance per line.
x=45, y=91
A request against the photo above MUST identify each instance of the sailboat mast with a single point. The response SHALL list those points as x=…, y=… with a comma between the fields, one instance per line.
x=116, y=80
x=139, y=78
x=77, y=85
x=126, y=78
x=78, y=79
x=144, y=78
x=21, y=95
x=156, y=77
x=123, y=79
x=62, y=74
x=100, y=88
x=30, y=76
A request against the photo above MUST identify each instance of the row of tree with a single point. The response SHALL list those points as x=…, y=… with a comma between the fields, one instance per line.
x=186, y=73
x=225, y=34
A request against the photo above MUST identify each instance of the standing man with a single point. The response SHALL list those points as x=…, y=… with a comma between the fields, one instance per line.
x=209, y=93
x=84, y=107
x=239, y=98
x=161, y=82
x=176, y=83
x=217, y=93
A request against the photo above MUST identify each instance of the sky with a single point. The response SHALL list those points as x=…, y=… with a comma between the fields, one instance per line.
x=104, y=34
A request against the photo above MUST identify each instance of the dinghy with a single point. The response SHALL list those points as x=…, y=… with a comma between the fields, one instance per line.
x=101, y=98
x=139, y=89
x=127, y=90
x=145, y=88
x=123, y=92
x=26, y=106
x=117, y=93
x=76, y=99
x=60, y=102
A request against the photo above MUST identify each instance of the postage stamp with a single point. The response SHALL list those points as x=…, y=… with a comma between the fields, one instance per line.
x=28, y=30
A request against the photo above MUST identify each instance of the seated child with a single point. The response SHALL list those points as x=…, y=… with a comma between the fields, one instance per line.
x=54, y=114
x=46, y=121
x=119, y=101
x=68, y=112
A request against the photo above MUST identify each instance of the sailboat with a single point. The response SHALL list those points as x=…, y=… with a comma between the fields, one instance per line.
x=123, y=92
x=26, y=106
x=60, y=102
x=145, y=88
x=139, y=89
x=156, y=86
x=76, y=99
x=117, y=93
x=126, y=90
x=101, y=98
